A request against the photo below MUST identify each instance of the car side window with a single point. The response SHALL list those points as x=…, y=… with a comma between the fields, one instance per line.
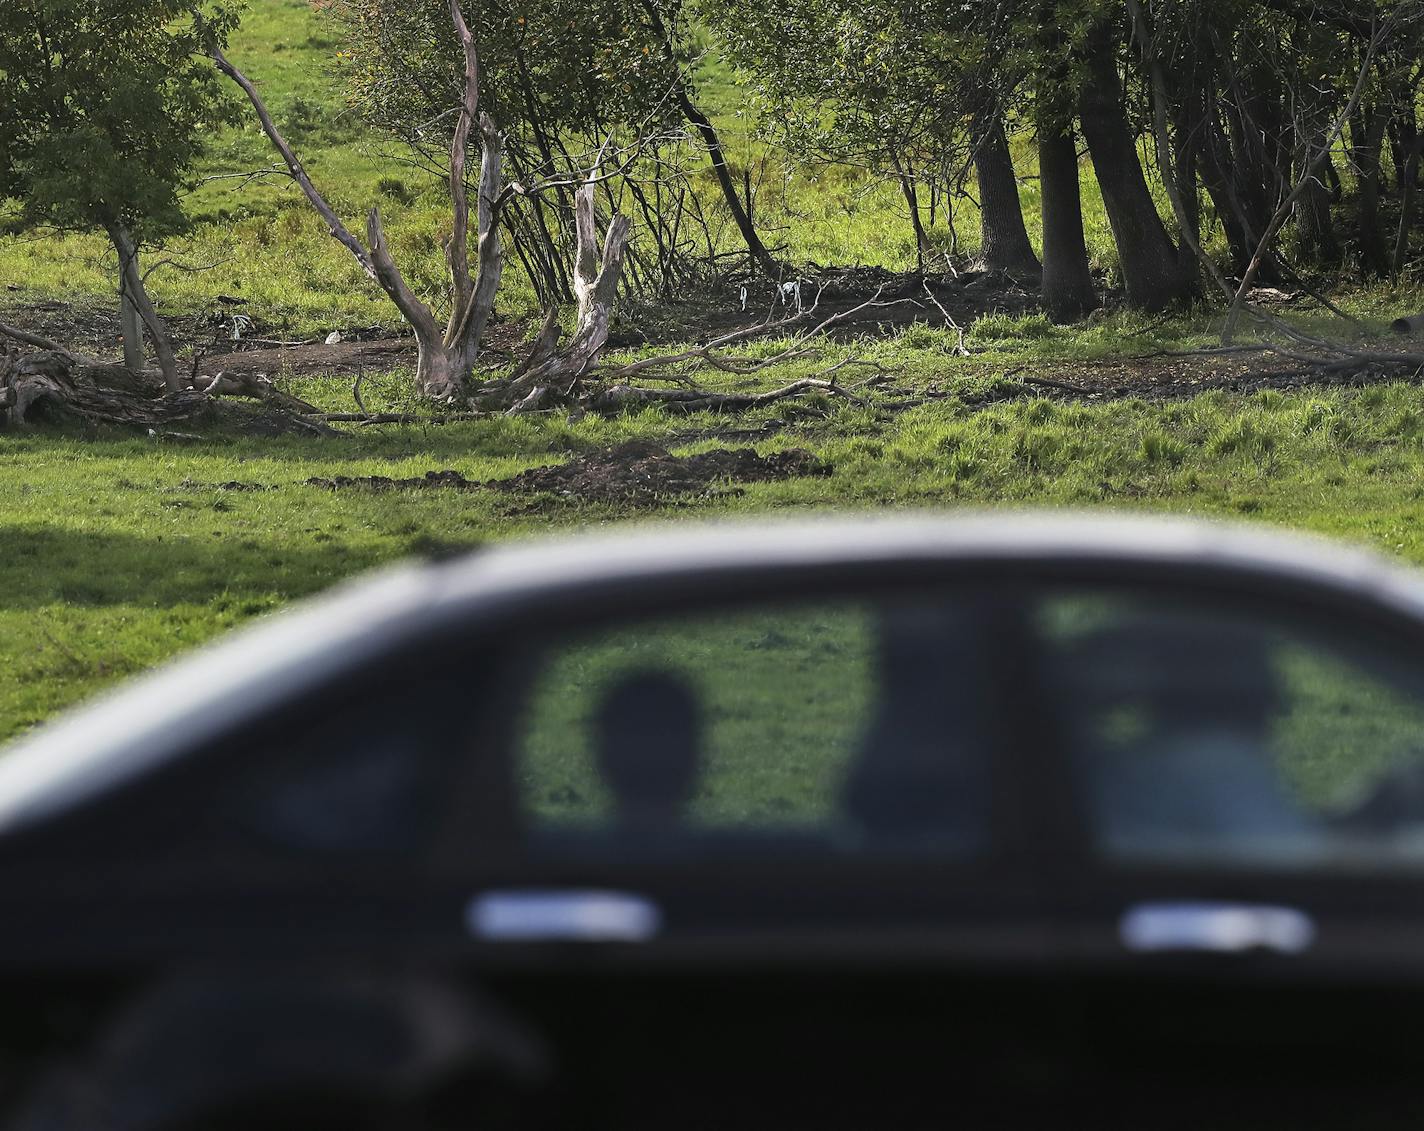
x=839, y=724
x=1205, y=731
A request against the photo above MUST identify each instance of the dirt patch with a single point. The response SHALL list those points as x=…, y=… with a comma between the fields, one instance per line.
x=90, y=329
x=1168, y=375
x=448, y=480
x=264, y=347
x=904, y=298
x=637, y=473
x=314, y=359
x=371, y=350
x=640, y=472
x=230, y=485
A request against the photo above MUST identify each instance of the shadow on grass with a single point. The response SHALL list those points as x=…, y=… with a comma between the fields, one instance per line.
x=458, y=445
x=45, y=566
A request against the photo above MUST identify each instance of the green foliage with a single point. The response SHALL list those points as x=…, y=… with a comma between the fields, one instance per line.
x=103, y=104
x=879, y=82
x=550, y=70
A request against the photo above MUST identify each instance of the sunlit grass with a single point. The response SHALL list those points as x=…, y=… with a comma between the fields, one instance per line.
x=119, y=552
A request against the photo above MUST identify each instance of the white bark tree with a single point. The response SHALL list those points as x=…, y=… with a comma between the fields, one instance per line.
x=447, y=354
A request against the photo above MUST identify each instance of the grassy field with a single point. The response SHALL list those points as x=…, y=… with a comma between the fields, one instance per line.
x=119, y=551
x=116, y=553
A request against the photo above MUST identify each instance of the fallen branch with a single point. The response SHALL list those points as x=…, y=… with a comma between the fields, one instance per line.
x=56, y=386
x=708, y=355
x=1062, y=386
x=368, y=418
x=960, y=350
x=619, y=397
x=39, y=343
x=258, y=387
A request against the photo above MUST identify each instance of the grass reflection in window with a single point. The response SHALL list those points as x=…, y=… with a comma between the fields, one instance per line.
x=785, y=697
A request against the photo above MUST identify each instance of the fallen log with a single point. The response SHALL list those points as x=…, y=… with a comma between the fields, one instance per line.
x=57, y=387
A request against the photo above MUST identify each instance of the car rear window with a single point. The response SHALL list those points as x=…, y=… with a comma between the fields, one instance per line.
x=1207, y=731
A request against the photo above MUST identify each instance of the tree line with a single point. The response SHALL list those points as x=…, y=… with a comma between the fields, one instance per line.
x=1235, y=143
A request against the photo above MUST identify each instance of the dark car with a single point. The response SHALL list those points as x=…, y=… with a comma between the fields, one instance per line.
x=994, y=821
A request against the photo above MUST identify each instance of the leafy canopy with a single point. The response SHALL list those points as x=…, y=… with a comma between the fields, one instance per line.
x=104, y=105
x=550, y=69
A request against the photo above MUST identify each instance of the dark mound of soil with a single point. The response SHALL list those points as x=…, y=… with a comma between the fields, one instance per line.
x=641, y=472
x=637, y=472
x=451, y=479
x=190, y=484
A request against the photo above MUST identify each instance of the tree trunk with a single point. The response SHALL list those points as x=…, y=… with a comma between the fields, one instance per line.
x=1229, y=215
x=923, y=250
x=1003, y=239
x=1240, y=207
x=135, y=291
x=131, y=328
x=1151, y=271
x=1374, y=260
x=1068, y=291
x=761, y=258
x=1315, y=241
x=1176, y=165
x=1185, y=165
x=1332, y=178
x=549, y=374
x=446, y=357
x=1408, y=184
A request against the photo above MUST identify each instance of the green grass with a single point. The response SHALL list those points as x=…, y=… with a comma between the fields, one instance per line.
x=786, y=695
x=117, y=553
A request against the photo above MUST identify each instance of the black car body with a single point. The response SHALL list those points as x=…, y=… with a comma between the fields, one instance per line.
x=989, y=821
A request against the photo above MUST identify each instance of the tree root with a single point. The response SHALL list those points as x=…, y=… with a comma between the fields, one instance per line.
x=60, y=388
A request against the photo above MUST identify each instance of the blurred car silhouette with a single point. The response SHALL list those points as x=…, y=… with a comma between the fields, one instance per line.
x=987, y=821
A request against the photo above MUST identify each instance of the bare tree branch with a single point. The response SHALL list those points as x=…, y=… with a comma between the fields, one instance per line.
x=457, y=248
x=35, y=340
x=469, y=320
x=1312, y=168
x=294, y=166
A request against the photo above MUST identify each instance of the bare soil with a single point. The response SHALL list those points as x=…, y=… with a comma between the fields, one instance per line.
x=637, y=473
x=901, y=300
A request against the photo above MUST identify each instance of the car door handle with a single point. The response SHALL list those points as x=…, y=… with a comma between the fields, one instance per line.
x=577, y=915
x=1217, y=928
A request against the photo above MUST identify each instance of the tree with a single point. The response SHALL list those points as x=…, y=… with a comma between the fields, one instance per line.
x=663, y=19
x=1152, y=271
x=559, y=77
x=1003, y=239
x=448, y=349
x=558, y=73
x=103, y=107
x=911, y=89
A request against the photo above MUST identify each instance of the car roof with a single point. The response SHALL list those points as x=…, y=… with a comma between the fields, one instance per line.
x=160, y=716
